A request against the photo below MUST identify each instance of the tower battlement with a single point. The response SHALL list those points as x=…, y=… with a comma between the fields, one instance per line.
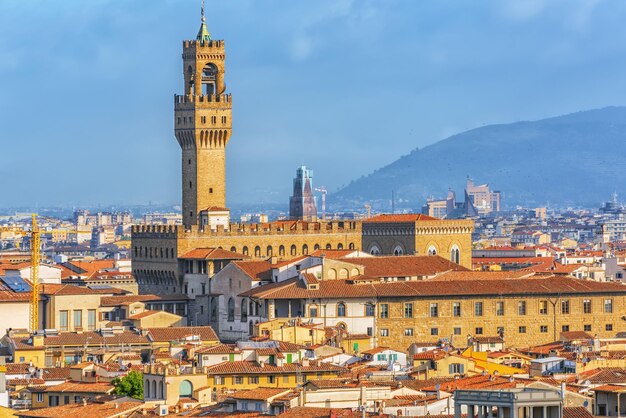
x=215, y=46
x=201, y=101
x=277, y=228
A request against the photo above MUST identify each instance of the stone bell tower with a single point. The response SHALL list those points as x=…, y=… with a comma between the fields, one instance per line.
x=202, y=124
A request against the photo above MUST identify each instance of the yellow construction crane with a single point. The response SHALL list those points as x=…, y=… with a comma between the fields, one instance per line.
x=34, y=274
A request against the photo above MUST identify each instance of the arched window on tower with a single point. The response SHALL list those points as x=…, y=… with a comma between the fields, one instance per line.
x=209, y=79
x=455, y=254
x=231, y=310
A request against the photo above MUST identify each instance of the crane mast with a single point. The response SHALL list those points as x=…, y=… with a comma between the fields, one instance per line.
x=34, y=274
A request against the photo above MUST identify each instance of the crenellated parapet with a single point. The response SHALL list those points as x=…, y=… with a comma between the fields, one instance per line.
x=202, y=101
x=275, y=228
x=154, y=231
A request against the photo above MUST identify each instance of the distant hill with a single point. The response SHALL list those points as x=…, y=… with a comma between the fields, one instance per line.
x=576, y=159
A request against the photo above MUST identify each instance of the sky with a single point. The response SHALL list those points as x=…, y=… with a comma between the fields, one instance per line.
x=342, y=86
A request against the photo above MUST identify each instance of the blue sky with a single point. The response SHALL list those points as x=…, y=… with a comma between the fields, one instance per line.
x=342, y=86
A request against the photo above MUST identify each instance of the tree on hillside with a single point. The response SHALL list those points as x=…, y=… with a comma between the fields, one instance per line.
x=129, y=385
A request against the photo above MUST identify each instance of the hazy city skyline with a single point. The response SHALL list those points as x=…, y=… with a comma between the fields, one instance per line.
x=87, y=87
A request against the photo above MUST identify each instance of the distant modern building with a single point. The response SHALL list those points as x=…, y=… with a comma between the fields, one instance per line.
x=484, y=200
x=302, y=203
x=449, y=208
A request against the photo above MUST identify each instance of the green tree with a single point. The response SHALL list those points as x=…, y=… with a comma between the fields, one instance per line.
x=129, y=385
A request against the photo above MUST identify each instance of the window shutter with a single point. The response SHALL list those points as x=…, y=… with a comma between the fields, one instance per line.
x=462, y=368
x=451, y=368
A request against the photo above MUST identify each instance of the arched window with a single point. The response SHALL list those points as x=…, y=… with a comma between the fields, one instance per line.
x=252, y=310
x=341, y=309
x=340, y=246
x=374, y=250
x=251, y=328
x=213, y=308
x=269, y=251
x=351, y=246
x=343, y=273
x=154, y=389
x=161, y=392
x=432, y=250
x=209, y=79
x=455, y=254
x=245, y=251
x=244, y=311
x=305, y=249
x=398, y=250
x=185, y=389
x=233, y=249
x=147, y=386
x=328, y=246
x=231, y=310
x=230, y=283
x=316, y=247
x=257, y=251
x=293, y=250
x=281, y=250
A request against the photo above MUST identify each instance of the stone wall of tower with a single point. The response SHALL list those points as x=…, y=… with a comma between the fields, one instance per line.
x=203, y=125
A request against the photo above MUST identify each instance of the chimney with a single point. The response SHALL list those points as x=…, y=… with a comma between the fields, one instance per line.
x=563, y=389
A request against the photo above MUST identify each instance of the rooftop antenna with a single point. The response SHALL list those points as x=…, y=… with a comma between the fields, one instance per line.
x=393, y=202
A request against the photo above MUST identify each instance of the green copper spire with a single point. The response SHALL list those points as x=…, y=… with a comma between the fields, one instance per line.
x=203, y=33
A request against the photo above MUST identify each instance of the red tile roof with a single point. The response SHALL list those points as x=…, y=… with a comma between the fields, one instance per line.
x=258, y=394
x=245, y=367
x=166, y=334
x=78, y=410
x=256, y=270
x=545, y=285
x=213, y=254
x=404, y=266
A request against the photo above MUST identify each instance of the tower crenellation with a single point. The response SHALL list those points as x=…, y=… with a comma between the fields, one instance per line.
x=203, y=125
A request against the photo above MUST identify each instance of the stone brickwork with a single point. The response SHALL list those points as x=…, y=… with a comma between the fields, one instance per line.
x=155, y=249
x=203, y=126
x=539, y=328
x=419, y=237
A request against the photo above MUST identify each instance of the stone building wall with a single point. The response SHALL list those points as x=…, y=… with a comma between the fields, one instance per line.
x=422, y=323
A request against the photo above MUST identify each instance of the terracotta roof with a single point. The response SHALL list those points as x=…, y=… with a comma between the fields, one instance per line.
x=484, y=275
x=404, y=266
x=575, y=335
x=314, y=412
x=259, y=394
x=576, y=412
x=81, y=387
x=241, y=367
x=220, y=349
x=166, y=334
x=430, y=355
x=475, y=382
x=25, y=382
x=610, y=388
x=212, y=254
x=256, y=270
x=407, y=217
x=546, y=285
x=127, y=299
x=488, y=339
x=78, y=410
x=148, y=313
x=90, y=338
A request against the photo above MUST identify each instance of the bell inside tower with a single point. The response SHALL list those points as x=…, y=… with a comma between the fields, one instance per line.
x=209, y=79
